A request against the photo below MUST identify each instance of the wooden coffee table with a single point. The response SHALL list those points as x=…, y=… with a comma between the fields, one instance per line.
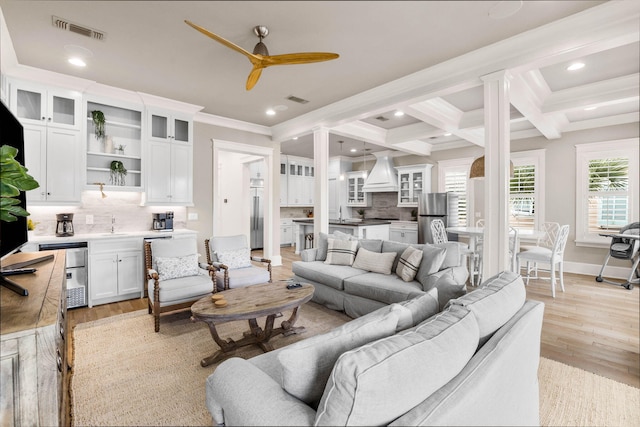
x=250, y=303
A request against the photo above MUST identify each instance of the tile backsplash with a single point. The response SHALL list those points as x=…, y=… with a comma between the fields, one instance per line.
x=123, y=206
x=385, y=205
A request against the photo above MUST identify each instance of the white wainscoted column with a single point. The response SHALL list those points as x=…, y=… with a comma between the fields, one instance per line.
x=321, y=181
x=496, y=180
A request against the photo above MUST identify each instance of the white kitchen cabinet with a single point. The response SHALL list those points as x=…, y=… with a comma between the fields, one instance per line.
x=284, y=179
x=355, y=196
x=123, y=128
x=53, y=158
x=413, y=181
x=36, y=104
x=404, y=232
x=286, y=232
x=166, y=126
x=169, y=173
x=115, y=270
x=300, y=181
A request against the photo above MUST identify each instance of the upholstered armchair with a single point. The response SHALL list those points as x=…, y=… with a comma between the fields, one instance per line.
x=230, y=257
x=175, y=278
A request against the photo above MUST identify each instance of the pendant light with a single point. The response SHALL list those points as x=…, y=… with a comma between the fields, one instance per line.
x=477, y=168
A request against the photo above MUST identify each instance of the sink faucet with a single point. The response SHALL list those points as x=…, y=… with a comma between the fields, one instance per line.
x=113, y=223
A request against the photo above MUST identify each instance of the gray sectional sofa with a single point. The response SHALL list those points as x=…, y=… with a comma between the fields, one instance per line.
x=474, y=363
x=357, y=291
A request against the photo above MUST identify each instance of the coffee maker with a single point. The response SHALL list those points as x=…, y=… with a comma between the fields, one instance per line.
x=163, y=221
x=64, y=227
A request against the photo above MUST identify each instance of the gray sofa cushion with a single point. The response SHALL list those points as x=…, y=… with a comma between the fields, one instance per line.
x=505, y=290
x=330, y=275
x=432, y=259
x=421, y=308
x=448, y=287
x=306, y=365
x=378, y=382
x=454, y=254
x=373, y=245
x=383, y=288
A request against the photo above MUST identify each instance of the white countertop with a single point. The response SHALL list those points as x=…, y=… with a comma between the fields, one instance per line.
x=103, y=236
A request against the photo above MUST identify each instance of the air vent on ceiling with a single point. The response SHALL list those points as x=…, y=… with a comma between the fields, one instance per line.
x=83, y=30
x=296, y=99
x=382, y=118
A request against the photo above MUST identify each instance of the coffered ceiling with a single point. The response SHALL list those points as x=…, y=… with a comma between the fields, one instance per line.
x=425, y=59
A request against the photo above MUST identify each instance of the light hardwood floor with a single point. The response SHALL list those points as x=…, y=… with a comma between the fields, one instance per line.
x=593, y=326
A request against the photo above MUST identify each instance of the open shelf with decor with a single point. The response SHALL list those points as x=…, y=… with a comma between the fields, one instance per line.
x=114, y=147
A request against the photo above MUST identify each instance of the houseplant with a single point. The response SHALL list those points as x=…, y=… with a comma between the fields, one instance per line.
x=13, y=179
x=98, y=123
x=118, y=173
x=361, y=213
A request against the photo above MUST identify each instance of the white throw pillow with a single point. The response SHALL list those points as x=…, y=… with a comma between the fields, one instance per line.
x=341, y=252
x=374, y=261
x=239, y=258
x=176, y=267
x=409, y=263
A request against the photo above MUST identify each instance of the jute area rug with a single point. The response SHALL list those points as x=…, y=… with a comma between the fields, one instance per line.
x=125, y=374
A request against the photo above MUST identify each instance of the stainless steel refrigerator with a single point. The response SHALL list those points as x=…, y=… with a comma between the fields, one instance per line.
x=257, y=214
x=432, y=206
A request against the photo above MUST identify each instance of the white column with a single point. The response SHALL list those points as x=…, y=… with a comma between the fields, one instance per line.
x=321, y=181
x=496, y=172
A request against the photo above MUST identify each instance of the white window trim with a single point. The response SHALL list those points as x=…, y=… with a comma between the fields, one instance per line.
x=584, y=152
x=537, y=159
x=465, y=163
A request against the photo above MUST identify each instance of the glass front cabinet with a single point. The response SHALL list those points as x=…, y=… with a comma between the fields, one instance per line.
x=355, y=196
x=413, y=181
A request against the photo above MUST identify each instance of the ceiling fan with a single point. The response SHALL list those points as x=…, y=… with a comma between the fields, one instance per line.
x=260, y=57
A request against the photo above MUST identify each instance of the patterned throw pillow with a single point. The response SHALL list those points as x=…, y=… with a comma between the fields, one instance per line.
x=174, y=268
x=373, y=261
x=409, y=263
x=341, y=252
x=239, y=258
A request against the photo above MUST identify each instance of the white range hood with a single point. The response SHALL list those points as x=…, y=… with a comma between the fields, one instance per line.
x=383, y=177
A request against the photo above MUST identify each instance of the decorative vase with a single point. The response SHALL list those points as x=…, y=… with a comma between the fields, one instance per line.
x=108, y=145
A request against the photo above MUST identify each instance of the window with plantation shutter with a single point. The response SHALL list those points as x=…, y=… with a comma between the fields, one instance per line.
x=522, y=197
x=453, y=176
x=607, y=188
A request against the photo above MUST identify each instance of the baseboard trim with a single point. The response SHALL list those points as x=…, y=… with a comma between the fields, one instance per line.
x=594, y=269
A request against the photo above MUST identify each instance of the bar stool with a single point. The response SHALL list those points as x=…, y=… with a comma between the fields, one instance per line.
x=308, y=241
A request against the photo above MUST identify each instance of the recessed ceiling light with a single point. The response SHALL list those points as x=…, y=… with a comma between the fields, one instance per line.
x=399, y=113
x=353, y=150
x=295, y=138
x=590, y=108
x=270, y=112
x=447, y=134
x=575, y=66
x=78, y=62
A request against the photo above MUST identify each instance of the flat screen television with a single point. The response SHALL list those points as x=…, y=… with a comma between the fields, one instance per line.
x=13, y=235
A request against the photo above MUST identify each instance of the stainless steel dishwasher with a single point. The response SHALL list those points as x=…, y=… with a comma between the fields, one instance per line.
x=76, y=269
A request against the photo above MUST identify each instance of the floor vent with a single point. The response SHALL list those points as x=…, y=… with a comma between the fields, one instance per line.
x=66, y=25
x=296, y=99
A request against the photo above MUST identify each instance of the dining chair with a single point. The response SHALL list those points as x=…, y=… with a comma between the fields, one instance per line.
x=550, y=230
x=552, y=256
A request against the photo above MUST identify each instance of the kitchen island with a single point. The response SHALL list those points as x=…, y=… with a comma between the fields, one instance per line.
x=362, y=229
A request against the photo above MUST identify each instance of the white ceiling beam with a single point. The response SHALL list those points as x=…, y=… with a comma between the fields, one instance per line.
x=619, y=119
x=419, y=148
x=362, y=131
x=607, y=92
x=527, y=93
x=410, y=132
x=439, y=113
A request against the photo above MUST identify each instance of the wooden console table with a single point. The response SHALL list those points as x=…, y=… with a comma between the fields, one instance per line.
x=33, y=336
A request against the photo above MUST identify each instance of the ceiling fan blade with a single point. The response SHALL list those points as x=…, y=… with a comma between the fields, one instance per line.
x=254, y=75
x=298, y=58
x=221, y=40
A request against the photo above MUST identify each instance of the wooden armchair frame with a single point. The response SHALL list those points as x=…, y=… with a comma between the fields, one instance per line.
x=154, y=307
x=218, y=266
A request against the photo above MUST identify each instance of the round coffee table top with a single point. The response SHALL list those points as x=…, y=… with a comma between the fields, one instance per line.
x=252, y=302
